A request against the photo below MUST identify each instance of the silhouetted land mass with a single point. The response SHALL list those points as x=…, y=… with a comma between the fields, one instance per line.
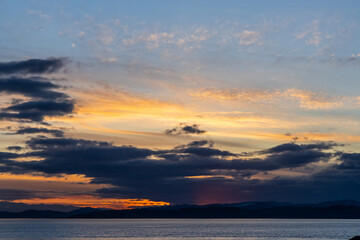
x=47, y=213
x=324, y=210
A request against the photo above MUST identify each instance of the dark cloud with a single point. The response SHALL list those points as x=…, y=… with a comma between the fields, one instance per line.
x=65, y=155
x=7, y=161
x=33, y=66
x=5, y=156
x=37, y=110
x=45, y=98
x=298, y=158
x=199, y=143
x=298, y=147
x=165, y=174
x=35, y=130
x=15, y=194
x=38, y=88
x=59, y=143
x=184, y=128
x=205, y=151
x=350, y=161
x=14, y=148
x=201, y=148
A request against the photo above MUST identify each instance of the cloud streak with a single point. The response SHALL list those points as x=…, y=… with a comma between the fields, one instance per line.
x=36, y=111
x=306, y=99
x=33, y=66
x=36, y=130
x=34, y=87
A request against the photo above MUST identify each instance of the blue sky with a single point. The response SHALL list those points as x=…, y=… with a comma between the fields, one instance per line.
x=316, y=40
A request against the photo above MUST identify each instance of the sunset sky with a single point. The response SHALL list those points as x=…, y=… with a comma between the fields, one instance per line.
x=120, y=104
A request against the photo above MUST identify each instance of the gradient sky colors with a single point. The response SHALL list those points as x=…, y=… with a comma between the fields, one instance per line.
x=136, y=103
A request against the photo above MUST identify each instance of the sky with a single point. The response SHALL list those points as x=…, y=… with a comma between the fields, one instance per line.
x=122, y=104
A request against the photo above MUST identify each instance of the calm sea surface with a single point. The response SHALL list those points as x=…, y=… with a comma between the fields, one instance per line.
x=171, y=229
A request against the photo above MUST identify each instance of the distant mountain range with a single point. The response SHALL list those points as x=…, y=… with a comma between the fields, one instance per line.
x=6, y=206
x=48, y=213
x=345, y=209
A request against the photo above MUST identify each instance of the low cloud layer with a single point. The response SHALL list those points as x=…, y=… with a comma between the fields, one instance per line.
x=182, y=173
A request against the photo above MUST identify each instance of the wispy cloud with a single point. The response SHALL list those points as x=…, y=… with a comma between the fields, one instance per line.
x=152, y=40
x=109, y=60
x=39, y=14
x=186, y=41
x=248, y=37
x=107, y=35
x=312, y=34
x=306, y=99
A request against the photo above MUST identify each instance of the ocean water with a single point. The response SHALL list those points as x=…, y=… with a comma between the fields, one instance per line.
x=177, y=229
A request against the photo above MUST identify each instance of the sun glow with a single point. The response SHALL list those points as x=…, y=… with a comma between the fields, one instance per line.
x=95, y=202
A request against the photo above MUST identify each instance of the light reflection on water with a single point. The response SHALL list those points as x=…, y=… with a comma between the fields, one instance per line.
x=178, y=229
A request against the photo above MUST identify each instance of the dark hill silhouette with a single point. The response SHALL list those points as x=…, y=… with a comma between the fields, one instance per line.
x=34, y=214
x=327, y=210
x=6, y=206
x=47, y=213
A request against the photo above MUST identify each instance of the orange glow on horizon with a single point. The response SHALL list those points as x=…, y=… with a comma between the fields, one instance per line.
x=94, y=202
